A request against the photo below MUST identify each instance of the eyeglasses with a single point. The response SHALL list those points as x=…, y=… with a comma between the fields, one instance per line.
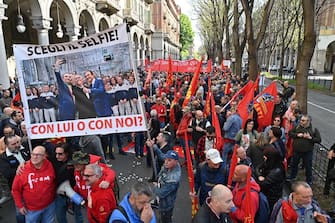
x=37, y=154
x=277, y=120
x=88, y=175
x=59, y=154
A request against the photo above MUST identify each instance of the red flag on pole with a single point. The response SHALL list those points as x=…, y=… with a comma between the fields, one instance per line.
x=207, y=109
x=245, y=106
x=176, y=98
x=244, y=90
x=190, y=176
x=193, y=86
x=227, y=88
x=169, y=79
x=148, y=80
x=233, y=164
x=209, y=66
x=216, y=125
x=248, y=212
x=264, y=105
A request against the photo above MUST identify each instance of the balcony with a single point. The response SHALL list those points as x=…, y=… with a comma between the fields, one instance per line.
x=166, y=37
x=149, y=28
x=149, y=1
x=130, y=16
x=109, y=7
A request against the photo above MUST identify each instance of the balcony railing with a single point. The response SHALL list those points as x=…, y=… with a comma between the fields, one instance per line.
x=109, y=7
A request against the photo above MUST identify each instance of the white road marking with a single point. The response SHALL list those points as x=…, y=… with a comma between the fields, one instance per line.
x=323, y=108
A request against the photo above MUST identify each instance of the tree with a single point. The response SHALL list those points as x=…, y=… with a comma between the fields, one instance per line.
x=186, y=35
x=212, y=16
x=305, y=52
x=254, y=43
x=239, y=39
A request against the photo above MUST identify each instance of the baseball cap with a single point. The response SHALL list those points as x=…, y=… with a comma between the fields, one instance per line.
x=79, y=157
x=172, y=155
x=214, y=156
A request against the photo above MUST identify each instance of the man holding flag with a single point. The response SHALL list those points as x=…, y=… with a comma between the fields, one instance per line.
x=244, y=206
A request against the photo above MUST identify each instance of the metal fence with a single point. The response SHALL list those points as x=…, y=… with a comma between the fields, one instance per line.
x=327, y=84
x=321, y=165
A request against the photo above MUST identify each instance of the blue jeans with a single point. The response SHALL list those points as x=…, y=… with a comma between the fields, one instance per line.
x=307, y=162
x=61, y=209
x=139, y=143
x=227, y=148
x=20, y=218
x=45, y=215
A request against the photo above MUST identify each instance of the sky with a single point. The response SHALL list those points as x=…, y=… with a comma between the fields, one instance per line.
x=186, y=8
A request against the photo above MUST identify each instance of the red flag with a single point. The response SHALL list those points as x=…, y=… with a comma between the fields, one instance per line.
x=227, y=89
x=209, y=66
x=176, y=98
x=216, y=125
x=248, y=216
x=148, y=80
x=169, y=79
x=190, y=176
x=245, y=106
x=207, y=108
x=193, y=86
x=244, y=90
x=264, y=105
x=233, y=164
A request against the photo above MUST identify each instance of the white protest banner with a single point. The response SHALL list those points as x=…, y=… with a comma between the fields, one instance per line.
x=83, y=87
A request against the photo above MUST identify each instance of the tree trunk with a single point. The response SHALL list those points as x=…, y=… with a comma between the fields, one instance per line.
x=306, y=53
x=333, y=82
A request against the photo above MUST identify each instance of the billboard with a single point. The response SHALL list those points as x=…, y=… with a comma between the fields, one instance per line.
x=83, y=87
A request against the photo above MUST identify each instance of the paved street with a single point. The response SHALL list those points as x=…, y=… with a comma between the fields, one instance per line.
x=129, y=170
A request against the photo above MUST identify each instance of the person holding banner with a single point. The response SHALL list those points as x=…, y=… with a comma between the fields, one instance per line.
x=66, y=106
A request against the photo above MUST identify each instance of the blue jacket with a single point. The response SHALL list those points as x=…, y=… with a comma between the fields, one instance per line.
x=98, y=95
x=232, y=126
x=66, y=106
x=206, y=178
x=168, y=186
x=133, y=217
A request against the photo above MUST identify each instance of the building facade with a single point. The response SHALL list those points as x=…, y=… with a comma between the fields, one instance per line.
x=54, y=21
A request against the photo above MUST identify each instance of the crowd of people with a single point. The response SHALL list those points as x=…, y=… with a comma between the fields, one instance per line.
x=272, y=154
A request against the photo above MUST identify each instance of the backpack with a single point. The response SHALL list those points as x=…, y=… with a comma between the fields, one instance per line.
x=279, y=203
x=263, y=211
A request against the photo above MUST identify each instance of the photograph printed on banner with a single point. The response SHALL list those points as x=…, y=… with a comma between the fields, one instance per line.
x=97, y=82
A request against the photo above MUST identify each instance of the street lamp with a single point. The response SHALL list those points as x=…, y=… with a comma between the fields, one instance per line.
x=59, y=32
x=20, y=27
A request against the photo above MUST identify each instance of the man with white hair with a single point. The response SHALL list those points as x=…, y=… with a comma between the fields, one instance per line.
x=217, y=207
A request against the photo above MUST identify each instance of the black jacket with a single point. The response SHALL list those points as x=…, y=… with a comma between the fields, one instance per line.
x=205, y=215
x=9, y=164
x=302, y=144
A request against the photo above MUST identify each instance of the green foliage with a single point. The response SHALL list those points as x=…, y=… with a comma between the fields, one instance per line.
x=186, y=35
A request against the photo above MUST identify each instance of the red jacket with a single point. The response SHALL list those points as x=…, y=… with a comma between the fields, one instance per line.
x=36, y=187
x=107, y=174
x=239, y=201
x=100, y=204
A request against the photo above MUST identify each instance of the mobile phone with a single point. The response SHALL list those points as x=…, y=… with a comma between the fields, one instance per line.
x=63, y=61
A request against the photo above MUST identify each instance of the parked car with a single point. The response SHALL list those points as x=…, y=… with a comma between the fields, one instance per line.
x=311, y=71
